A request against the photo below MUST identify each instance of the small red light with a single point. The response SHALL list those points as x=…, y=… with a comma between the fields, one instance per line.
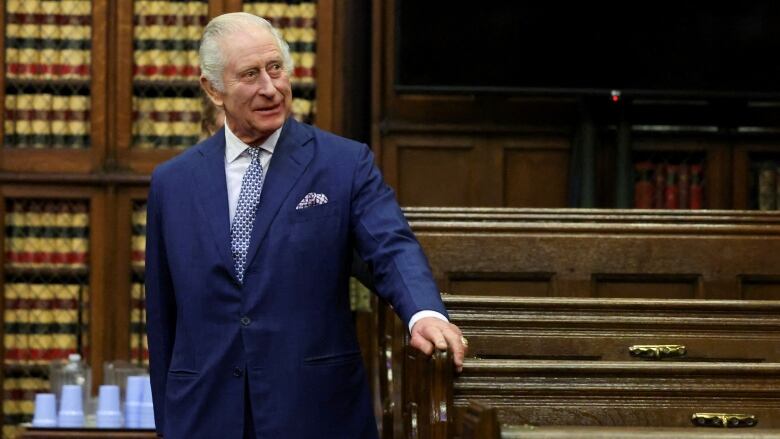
x=615, y=98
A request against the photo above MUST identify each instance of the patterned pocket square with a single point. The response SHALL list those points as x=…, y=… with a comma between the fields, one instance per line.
x=312, y=199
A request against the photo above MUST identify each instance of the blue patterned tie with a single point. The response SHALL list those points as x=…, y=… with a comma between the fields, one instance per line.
x=241, y=229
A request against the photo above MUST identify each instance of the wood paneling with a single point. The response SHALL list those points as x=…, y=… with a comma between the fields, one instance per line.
x=646, y=286
x=760, y=287
x=470, y=170
x=438, y=175
x=483, y=284
x=536, y=175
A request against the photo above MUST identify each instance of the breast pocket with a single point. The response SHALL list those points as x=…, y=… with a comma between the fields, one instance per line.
x=315, y=226
x=314, y=212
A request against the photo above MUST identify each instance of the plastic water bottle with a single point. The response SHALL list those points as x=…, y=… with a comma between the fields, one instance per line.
x=74, y=371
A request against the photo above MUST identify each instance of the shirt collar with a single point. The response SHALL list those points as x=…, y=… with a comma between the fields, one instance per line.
x=234, y=147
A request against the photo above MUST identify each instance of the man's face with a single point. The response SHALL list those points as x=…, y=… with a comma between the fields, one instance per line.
x=257, y=97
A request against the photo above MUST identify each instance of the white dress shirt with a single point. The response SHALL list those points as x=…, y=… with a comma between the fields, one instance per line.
x=237, y=160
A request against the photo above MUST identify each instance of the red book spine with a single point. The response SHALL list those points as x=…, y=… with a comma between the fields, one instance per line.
x=671, y=192
x=643, y=188
x=683, y=186
x=660, y=186
x=697, y=190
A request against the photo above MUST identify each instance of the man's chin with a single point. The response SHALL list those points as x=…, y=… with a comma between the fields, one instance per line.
x=269, y=122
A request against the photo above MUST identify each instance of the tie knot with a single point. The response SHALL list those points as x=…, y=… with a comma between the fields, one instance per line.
x=254, y=152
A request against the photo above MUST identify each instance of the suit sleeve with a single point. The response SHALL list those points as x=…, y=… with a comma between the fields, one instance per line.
x=384, y=240
x=160, y=304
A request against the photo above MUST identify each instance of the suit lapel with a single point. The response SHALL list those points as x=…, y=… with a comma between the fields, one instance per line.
x=290, y=158
x=212, y=188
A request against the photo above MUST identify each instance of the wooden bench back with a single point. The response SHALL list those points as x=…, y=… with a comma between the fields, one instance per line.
x=602, y=253
x=672, y=260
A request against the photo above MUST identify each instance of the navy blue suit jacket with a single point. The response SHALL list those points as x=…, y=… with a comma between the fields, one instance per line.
x=288, y=327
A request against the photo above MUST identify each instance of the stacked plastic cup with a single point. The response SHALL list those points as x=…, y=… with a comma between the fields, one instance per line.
x=147, y=407
x=45, y=410
x=108, y=413
x=71, y=407
x=133, y=397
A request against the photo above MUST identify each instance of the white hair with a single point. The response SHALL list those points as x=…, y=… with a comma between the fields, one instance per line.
x=212, y=61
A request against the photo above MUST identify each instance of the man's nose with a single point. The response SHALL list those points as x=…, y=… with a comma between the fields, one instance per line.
x=265, y=85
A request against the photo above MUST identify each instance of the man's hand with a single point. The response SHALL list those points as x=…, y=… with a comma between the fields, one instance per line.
x=429, y=333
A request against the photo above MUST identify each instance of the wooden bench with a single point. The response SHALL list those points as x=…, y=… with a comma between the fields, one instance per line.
x=590, y=393
x=545, y=361
x=721, y=259
x=481, y=422
x=595, y=329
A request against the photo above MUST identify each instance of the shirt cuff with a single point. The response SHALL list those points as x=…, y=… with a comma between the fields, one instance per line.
x=422, y=314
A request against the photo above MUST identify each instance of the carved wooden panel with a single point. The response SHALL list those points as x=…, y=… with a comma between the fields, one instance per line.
x=760, y=287
x=439, y=176
x=430, y=169
x=725, y=255
x=639, y=330
x=658, y=286
x=498, y=284
x=618, y=393
x=535, y=174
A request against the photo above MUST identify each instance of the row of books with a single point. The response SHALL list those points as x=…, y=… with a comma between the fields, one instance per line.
x=38, y=349
x=46, y=213
x=43, y=296
x=46, y=120
x=163, y=122
x=48, y=39
x=768, y=186
x=291, y=14
x=166, y=35
x=45, y=315
x=46, y=253
x=42, y=234
x=19, y=389
x=139, y=346
x=138, y=244
x=669, y=185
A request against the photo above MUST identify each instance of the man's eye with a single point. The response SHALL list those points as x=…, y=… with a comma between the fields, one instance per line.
x=275, y=67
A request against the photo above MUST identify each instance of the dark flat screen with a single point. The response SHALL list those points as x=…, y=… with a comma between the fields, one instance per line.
x=645, y=47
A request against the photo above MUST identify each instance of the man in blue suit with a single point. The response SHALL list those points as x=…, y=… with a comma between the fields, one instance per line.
x=250, y=236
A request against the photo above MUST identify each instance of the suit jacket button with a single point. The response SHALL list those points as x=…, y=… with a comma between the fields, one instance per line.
x=245, y=321
x=238, y=372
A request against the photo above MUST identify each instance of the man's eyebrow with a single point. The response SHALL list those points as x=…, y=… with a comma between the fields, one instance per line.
x=246, y=68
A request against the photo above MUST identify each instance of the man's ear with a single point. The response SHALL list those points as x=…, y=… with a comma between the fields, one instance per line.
x=213, y=94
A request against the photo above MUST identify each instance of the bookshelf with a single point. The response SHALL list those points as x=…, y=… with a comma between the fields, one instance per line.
x=94, y=94
x=51, y=268
x=53, y=68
